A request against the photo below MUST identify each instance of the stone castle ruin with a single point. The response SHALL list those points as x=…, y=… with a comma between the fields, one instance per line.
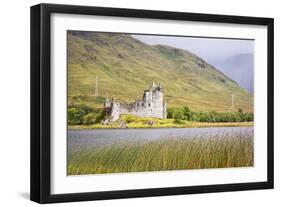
x=151, y=105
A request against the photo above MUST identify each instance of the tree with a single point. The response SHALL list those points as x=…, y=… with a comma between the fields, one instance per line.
x=187, y=113
x=170, y=112
x=178, y=115
x=74, y=116
x=89, y=119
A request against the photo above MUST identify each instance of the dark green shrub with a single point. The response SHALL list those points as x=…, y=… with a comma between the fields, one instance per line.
x=187, y=113
x=83, y=114
x=89, y=119
x=170, y=112
x=184, y=113
x=74, y=116
x=178, y=114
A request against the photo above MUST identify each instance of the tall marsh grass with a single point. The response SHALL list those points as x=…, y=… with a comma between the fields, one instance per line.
x=169, y=154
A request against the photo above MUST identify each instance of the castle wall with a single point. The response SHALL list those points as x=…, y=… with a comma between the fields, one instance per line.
x=115, y=111
x=152, y=105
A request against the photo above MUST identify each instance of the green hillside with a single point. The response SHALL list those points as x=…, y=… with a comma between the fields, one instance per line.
x=125, y=67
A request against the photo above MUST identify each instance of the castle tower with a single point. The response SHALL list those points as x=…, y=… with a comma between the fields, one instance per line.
x=115, y=110
x=160, y=87
x=151, y=105
x=153, y=86
x=164, y=110
x=107, y=102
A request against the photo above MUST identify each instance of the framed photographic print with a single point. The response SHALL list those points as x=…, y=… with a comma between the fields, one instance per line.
x=133, y=103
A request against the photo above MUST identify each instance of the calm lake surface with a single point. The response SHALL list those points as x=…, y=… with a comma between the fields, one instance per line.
x=81, y=139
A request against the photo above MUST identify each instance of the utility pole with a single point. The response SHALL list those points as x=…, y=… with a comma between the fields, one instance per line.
x=97, y=89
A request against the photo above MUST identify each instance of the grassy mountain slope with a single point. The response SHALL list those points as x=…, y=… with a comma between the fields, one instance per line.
x=125, y=67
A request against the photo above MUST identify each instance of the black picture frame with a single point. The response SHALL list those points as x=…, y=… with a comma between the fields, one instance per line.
x=41, y=98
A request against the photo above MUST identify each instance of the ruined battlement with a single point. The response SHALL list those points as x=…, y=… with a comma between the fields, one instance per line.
x=151, y=105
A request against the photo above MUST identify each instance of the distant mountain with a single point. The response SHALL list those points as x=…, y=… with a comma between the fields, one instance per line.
x=240, y=68
x=126, y=66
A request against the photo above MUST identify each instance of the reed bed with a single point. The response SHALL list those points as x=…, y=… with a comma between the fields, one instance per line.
x=222, y=151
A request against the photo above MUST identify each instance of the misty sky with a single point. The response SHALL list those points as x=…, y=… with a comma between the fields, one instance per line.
x=233, y=57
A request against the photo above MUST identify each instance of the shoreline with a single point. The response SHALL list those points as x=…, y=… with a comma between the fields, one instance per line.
x=187, y=125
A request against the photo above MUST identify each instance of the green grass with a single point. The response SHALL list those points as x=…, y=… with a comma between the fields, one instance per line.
x=126, y=67
x=169, y=154
x=141, y=122
x=168, y=123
